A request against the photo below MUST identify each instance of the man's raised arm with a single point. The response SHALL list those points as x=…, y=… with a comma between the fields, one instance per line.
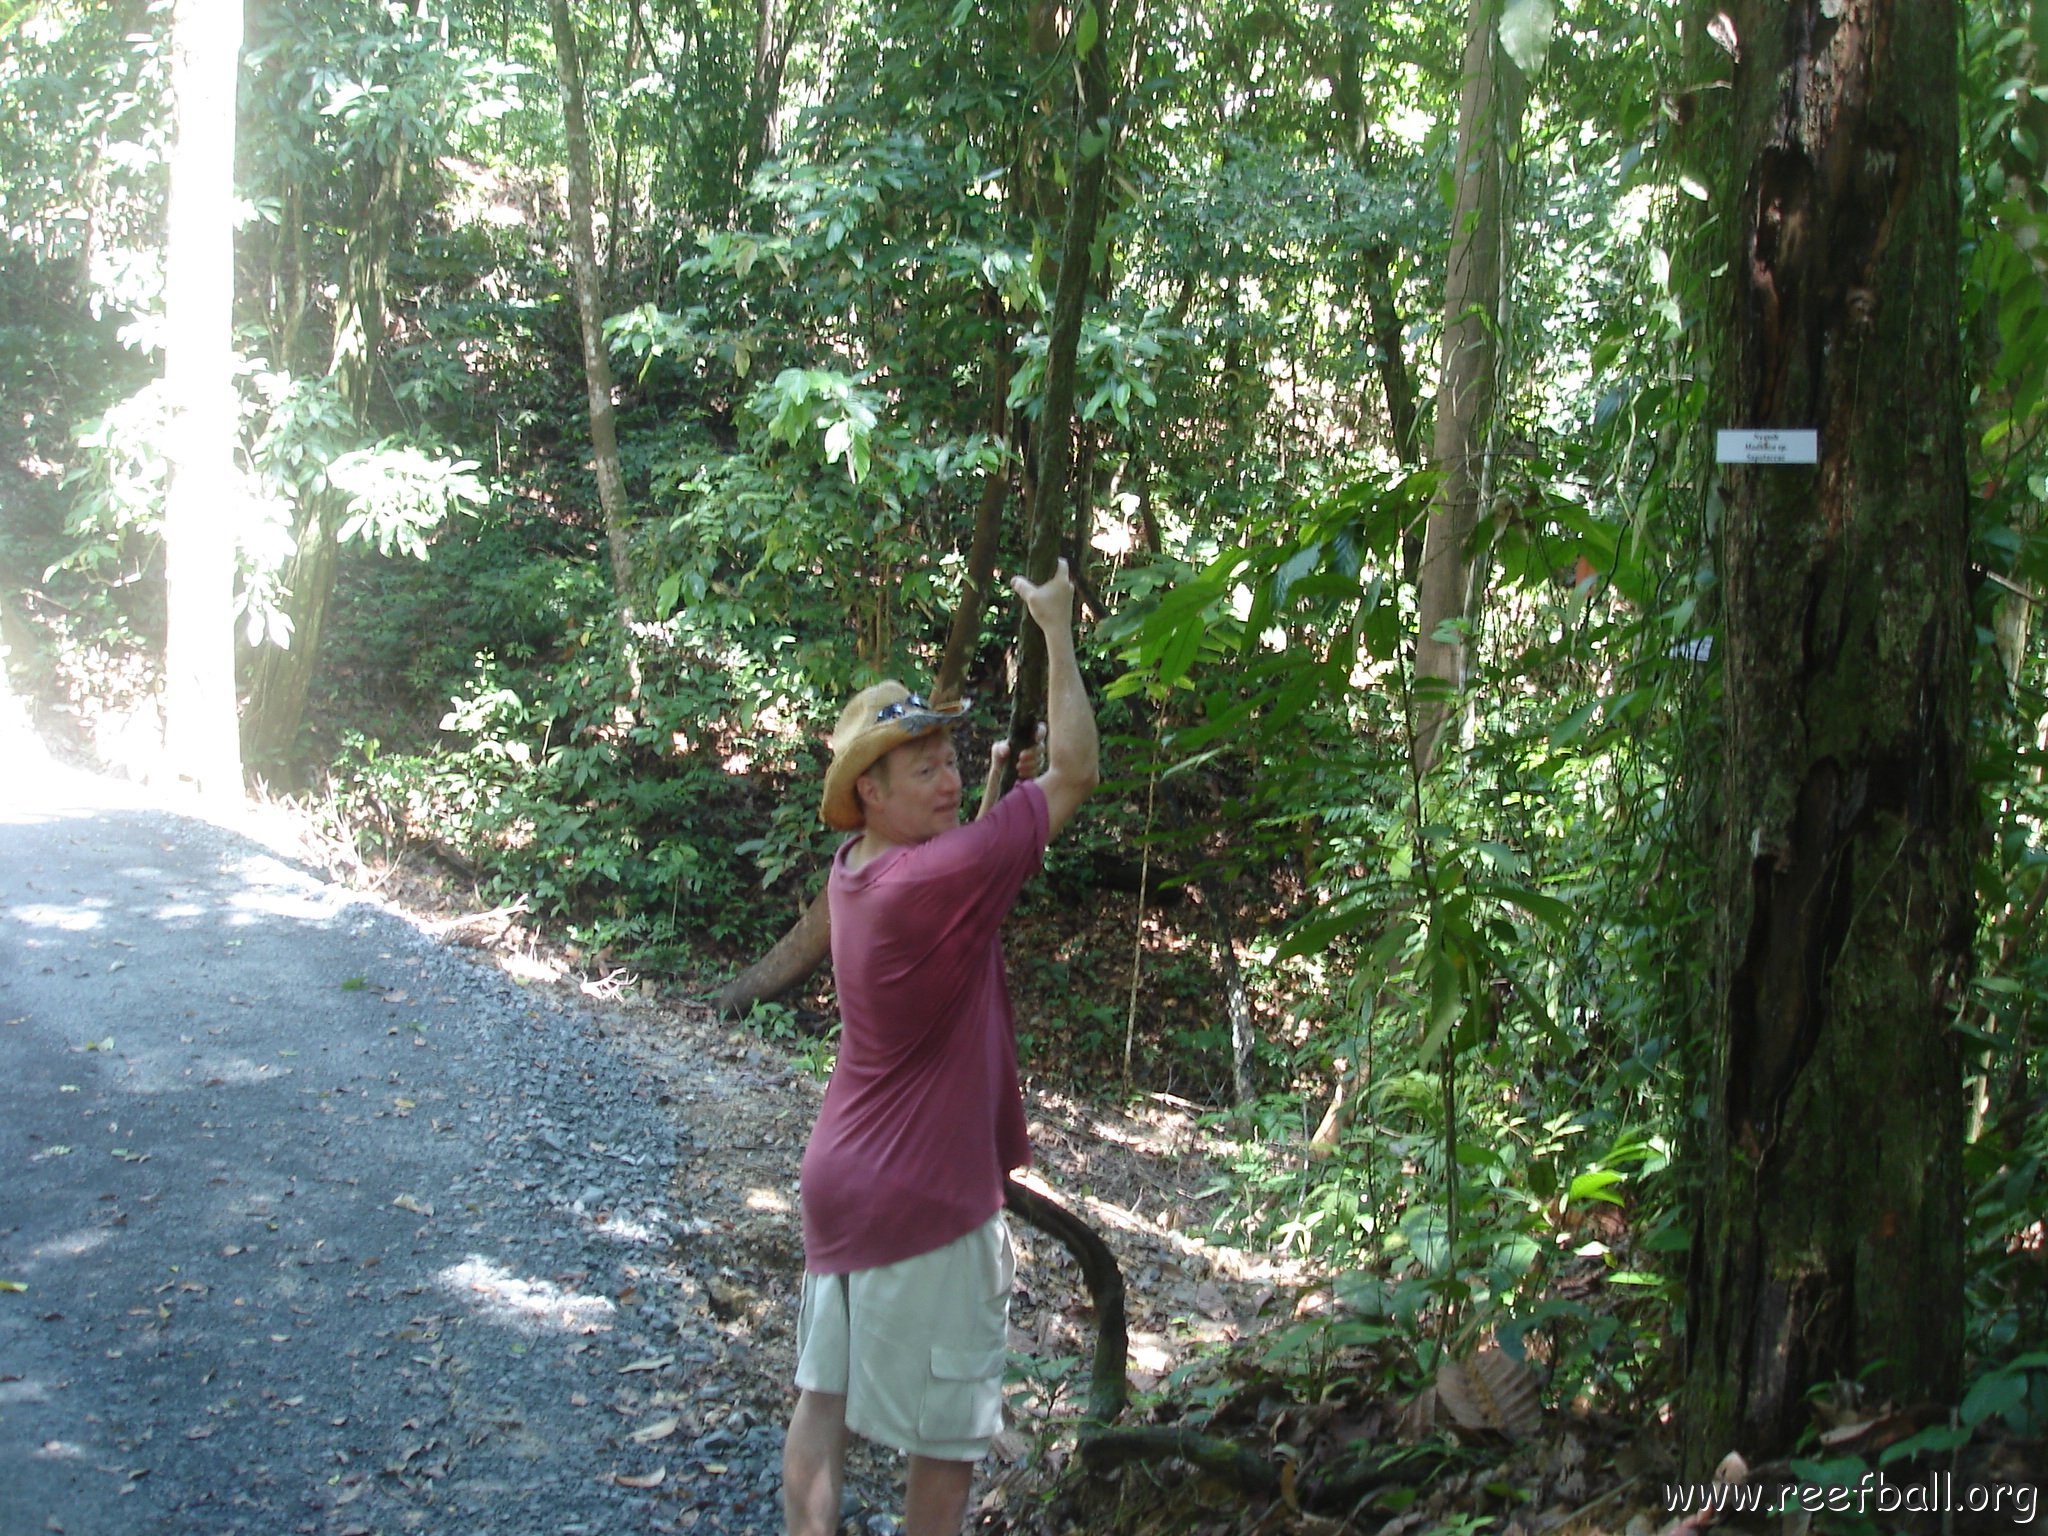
x=1073, y=766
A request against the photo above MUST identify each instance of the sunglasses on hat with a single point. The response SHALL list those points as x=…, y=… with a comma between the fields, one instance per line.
x=914, y=704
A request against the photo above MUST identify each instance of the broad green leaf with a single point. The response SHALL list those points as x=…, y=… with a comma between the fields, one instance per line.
x=1446, y=1001
x=1180, y=653
x=1548, y=910
x=1937, y=1438
x=1087, y=30
x=1525, y=31
x=1596, y=1184
x=1428, y=1237
x=1341, y=917
x=1992, y=1397
x=838, y=438
x=1293, y=569
x=1573, y=726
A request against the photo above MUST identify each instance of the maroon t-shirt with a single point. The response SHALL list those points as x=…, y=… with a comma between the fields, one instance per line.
x=924, y=1114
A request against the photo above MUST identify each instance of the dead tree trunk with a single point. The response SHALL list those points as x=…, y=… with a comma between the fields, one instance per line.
x=789, y=963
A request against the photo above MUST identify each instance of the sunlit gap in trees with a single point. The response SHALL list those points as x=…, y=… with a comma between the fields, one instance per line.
x=32, y=778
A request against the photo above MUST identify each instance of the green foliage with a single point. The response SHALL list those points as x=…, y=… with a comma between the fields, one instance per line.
x=397, y=495
x=1499, y=946
x=393, y=495
x=83, y=139
x=338, y=86
x=632, y=816
x=813, y=1054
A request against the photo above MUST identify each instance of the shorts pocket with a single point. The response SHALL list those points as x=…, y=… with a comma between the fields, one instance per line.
x=1006, y=1265
x=964, y=1398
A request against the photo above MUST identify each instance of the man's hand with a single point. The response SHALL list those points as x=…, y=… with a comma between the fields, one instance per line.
x=1027, y=768
x=1052, y=604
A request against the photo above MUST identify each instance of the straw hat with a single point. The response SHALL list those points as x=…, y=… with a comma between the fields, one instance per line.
x=879, y=720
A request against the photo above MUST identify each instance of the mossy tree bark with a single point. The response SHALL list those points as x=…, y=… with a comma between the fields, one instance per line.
x=1830, y=1239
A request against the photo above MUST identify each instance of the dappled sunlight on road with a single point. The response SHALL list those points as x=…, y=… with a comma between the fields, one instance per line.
x=78, y=917
x=626, y=1230
x=272, y=891
x=172, y=1070
x=525, y=1303
x=72, y=1245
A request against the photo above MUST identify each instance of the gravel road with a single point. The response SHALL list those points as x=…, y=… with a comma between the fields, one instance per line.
x=308, y=1224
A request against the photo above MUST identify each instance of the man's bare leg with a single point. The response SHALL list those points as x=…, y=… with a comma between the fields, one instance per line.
x=936, y=1503
x=814, y=1464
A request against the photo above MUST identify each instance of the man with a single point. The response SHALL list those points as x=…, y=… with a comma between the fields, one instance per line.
x=907, y=1262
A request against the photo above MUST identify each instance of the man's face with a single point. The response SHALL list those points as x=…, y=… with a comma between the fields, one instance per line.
x=913, y=794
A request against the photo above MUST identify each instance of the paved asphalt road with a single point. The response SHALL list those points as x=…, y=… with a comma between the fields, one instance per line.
x=307, y=1225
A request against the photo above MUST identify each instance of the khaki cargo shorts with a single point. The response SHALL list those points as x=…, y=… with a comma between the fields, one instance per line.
x=916, y=1348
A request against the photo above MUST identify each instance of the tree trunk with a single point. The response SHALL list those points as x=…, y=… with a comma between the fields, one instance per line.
x=981, y=563
x=597, y=367
x=1396, y=387
x=281, y=677
x=764, y=96
x=1087, y=181
x=965, y=629
x=789, y=963
x=1830, y=1240
x=1489, y=119
x=622, y=156
x=1237, y=1001
x=201, y=740
x=1109, y=1384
